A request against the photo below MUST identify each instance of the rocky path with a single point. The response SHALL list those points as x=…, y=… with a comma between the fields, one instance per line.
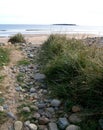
x=27, y=104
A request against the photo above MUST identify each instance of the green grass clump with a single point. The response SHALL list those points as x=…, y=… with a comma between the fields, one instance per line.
x=3, y=117
x=20, y=78
x=4, y=56
x=24, y=62
x=17, y=38
x=74, y=70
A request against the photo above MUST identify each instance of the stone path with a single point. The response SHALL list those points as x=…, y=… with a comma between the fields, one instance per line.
x=27, y=103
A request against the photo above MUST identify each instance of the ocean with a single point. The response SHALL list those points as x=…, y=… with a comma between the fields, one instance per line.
x=7, y=30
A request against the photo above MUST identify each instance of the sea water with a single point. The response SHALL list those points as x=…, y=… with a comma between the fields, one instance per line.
x=11, y=29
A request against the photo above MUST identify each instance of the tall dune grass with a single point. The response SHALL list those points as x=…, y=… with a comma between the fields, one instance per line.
x=74, y=70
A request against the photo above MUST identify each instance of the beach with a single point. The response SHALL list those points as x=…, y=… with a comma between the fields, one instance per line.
x=40, y=38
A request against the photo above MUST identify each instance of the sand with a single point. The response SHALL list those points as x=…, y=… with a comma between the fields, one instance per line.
x=40, y=38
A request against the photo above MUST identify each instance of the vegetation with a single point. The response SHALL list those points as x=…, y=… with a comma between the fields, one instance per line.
x=4, y=56
x=23, y=62
x=74, y=70
x=17, y=38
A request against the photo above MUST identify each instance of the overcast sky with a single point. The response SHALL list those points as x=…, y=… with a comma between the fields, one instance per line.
x=81, y=12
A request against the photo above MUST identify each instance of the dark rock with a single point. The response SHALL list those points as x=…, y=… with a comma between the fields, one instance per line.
x=11, y=115
x=101, y=123
x=63, y=123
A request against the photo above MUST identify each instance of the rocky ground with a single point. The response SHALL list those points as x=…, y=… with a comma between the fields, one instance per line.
x=26, y=101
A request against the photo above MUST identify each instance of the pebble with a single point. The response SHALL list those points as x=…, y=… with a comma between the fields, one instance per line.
x=18, y=125
x=63, y=123
x=74, y=118
x=26, y=109
x=101, y=123
x=51, y=110
x=43, y=120
x=55, y=103
x=32, y=126
x=73, y=127
x=41, y=105
x=32, y=90
x=42, y=127
x=11, y=115
x=76, y=109
x=36, y=115
x=53, y=126
x=39, y=77
x=26, y=123
x=18, y=89
x=1, y=108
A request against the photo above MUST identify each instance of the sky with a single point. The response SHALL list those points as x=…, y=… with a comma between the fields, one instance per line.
x=80, y=12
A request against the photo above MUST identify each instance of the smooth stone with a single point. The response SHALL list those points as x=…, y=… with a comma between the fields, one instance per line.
x=63, y=123
x=53, y=126
x=101, y=123
x=43, y=120
x=32, y=90
x=18, y=125
x=5, y=106
x=32, y=126
x=10, y=128
x=30, y=56
x=55, y=103
x=26, y=109
x=1, y=108
x=18, y=89
x=76, y=109
x=74, y=118
x=51, y=110
x=73, y=127
x=42, y=127
x=26, y=123
x=39, y=76
x=36, y=115
x=41, y=105
x=11, y=115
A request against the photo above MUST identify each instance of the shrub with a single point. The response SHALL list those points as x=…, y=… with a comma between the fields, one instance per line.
x=74, y=70
x=18, y=38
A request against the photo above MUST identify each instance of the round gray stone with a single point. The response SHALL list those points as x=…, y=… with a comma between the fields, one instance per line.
x=55, y=103
x=18, y=125
x=73, y=127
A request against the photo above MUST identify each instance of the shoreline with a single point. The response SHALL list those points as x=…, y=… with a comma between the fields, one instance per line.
x=40, y=38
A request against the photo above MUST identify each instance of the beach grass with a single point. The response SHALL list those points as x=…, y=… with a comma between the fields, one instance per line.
x=74, y=70
x=17, y=38
x=4, y=56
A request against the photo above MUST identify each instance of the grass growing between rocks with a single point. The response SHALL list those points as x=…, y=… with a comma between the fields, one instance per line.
x=74, y=71
x=4, y=56
x=24, y=62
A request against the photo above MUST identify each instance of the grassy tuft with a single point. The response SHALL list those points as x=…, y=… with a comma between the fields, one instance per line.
x=17, y=38
x=74, y=70
x=4, y=56
x=24, y=62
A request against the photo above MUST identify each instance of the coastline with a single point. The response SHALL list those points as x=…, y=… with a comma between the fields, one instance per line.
x=40, y=38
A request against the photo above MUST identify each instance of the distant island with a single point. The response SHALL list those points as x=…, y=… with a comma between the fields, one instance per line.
x=66, y=24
